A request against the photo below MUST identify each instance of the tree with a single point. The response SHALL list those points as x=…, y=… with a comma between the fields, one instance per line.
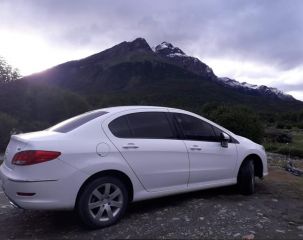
x=7, y=72
x=238, y=119
x=7, y=127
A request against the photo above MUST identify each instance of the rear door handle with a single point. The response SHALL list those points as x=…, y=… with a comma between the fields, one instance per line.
x=195, y=147
x=130, y=146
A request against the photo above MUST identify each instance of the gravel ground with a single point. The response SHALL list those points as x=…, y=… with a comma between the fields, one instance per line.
x=274, y=212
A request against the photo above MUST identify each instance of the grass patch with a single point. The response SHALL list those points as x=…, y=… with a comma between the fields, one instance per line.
x=294, y=148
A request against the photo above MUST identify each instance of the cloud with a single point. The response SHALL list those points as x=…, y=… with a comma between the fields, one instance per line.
x=267, y=31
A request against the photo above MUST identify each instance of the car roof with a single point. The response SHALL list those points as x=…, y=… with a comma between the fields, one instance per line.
x=118, y=109
x=123, y=108
x=135, y=107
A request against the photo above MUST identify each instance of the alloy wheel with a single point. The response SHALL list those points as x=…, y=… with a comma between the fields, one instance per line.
x=105, y=202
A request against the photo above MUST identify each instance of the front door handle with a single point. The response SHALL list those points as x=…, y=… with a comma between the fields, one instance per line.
x=195, y=147
x=130, y=146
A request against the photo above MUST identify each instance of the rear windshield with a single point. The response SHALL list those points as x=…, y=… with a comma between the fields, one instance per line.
x=75, y=122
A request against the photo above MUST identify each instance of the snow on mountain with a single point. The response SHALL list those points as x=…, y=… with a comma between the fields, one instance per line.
x=169, y=49
x=259, y=88
x=177, y=56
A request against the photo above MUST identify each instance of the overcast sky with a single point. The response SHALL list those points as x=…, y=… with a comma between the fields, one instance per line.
x=259, y=42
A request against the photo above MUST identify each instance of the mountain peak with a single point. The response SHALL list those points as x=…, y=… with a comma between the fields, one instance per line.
x=139, y=43
x=167, y=49
x=121, y=49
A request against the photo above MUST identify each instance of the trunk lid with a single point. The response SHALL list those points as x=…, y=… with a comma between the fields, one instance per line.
x=22, y=142
x=16, y=144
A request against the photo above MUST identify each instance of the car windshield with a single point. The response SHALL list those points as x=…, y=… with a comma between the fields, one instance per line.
x=75, y=122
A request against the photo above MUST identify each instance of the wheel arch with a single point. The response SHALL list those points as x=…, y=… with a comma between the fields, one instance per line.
x=112, y=173
x=258, y=164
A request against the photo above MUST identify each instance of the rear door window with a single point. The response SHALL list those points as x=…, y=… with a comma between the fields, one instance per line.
x=150, y=125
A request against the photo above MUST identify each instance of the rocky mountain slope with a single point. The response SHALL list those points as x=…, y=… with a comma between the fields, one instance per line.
x=262, y=89
x=177, y=56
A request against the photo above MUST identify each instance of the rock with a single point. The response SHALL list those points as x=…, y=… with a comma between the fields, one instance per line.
x=201, y=218
x=222, y=211
x=251, y=207
x=274, y=200
x=300, y=228
x=236, y=235
x=258, y=225
x=280, y=231
x=248, y=237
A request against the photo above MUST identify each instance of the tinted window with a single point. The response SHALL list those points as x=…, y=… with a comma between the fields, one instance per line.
x=76, y=122
x=195, y=128
x=150, y=125
x=119, y=127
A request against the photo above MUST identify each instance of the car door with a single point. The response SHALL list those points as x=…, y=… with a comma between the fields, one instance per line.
x=209, y=161
x=149, y=144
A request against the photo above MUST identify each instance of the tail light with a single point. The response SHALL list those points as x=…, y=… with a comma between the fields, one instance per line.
x=33, y=157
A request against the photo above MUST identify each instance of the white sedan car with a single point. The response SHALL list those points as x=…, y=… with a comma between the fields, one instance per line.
x=98, y=162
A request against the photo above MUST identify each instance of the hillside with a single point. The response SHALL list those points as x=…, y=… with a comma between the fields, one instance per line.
x=133, y=73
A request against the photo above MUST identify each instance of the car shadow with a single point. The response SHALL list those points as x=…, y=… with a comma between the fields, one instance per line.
x=179, y=199
x=55, y=222
x=230, y=192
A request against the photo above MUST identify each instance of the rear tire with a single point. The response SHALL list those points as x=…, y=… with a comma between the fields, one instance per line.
x=246, y=178
x=103, y=202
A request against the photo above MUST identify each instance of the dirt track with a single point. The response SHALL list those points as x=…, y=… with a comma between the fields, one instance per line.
x=274, y=212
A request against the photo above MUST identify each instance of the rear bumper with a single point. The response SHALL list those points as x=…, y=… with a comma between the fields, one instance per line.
x=48, y=194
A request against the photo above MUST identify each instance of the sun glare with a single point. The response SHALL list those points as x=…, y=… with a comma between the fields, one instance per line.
x=31, y=54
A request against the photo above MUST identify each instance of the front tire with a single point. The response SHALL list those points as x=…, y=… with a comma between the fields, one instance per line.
x=246, y=178
x=103, y=202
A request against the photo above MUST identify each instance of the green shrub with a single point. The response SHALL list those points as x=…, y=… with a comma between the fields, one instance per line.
x=299, y=125
x=8, y=124
x=238, y=119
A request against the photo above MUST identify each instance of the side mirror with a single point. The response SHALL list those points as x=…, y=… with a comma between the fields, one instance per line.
x=224, y=139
